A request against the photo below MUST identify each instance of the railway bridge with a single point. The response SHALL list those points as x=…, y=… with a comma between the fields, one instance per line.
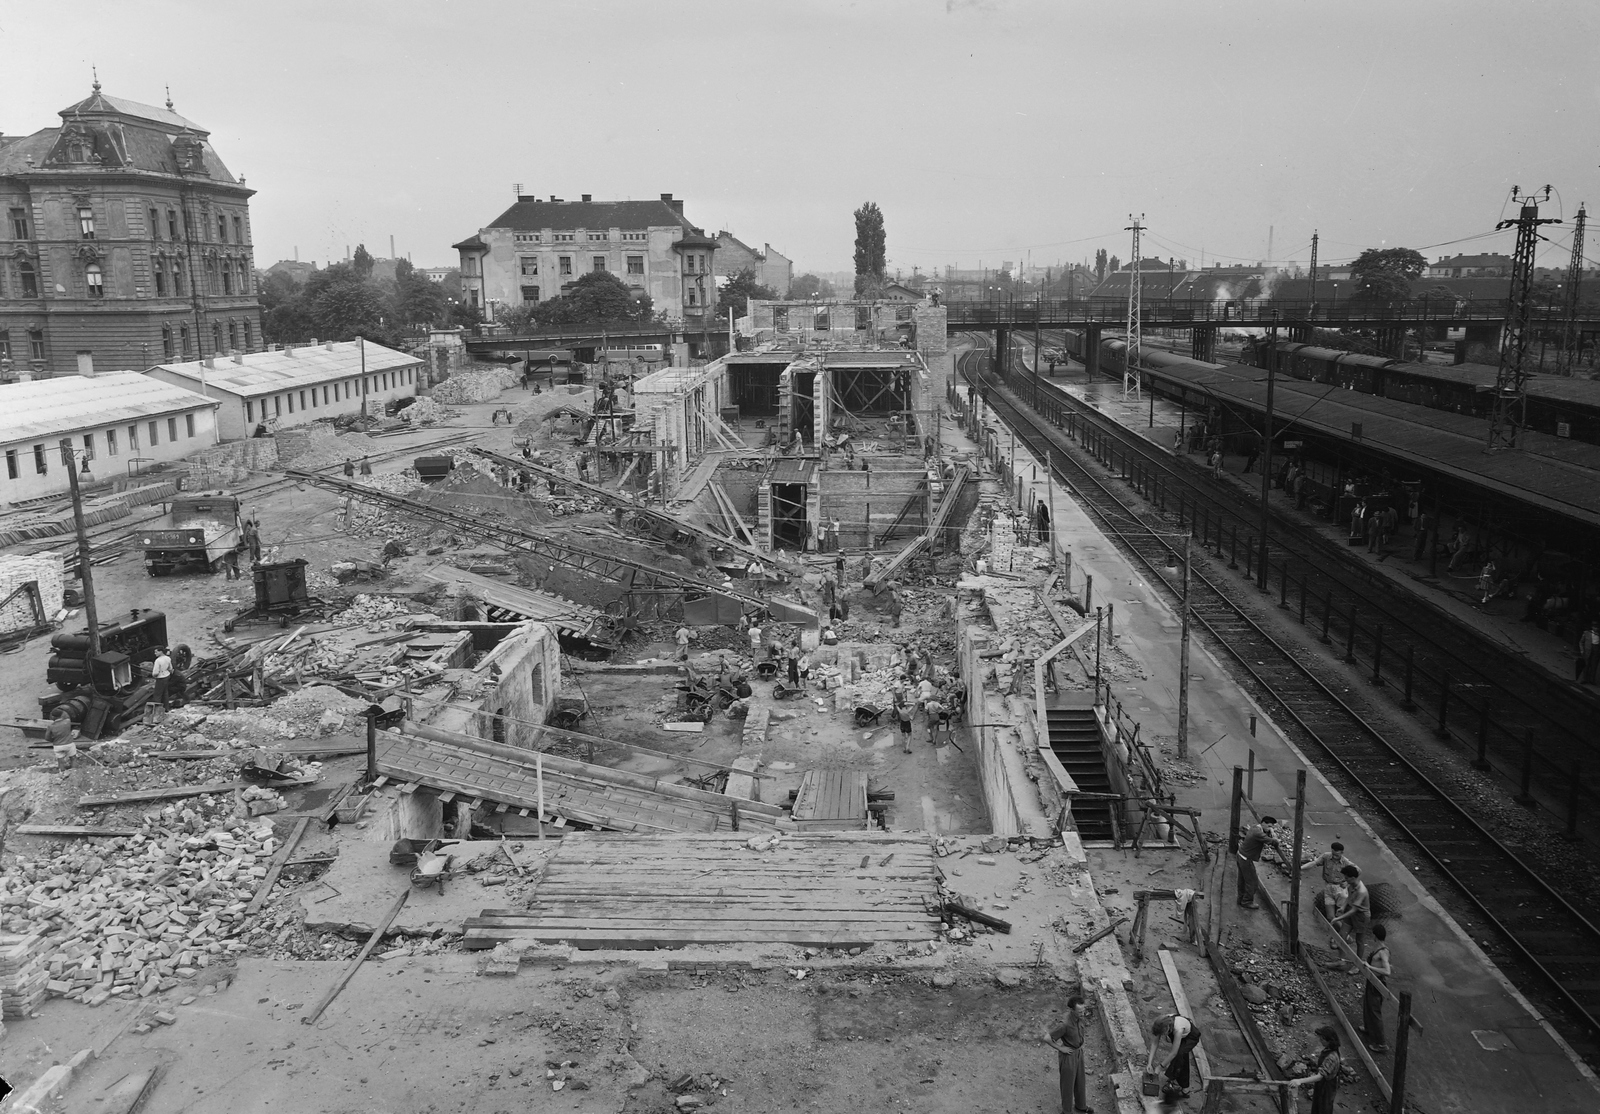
x=1481, y=320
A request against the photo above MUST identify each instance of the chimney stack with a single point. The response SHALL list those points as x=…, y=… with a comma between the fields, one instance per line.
x=238, y=357
x=588, y=197
x=211, y=362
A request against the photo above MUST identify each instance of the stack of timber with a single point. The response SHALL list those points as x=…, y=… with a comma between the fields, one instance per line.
x=477, y=770
x=831, y=800
x=829, y=890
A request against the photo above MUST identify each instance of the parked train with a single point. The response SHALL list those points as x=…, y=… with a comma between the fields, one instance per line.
x=1557, y=406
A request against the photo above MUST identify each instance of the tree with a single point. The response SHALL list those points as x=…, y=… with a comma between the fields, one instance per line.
x=740, y=287
x=1384, y=275
x=598, y=298
x=417, y=301
x=1113, y=265
x=465, y=315
x=342, y=305
x=1100, y=265
x=871, y=246
x=363, y=262
x=810, y=286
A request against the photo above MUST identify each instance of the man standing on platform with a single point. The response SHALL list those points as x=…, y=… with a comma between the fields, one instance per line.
x=1256, y=840
x=1331, y=863
x=1067, y=1039
x=1356, y=920
x=1372, y=997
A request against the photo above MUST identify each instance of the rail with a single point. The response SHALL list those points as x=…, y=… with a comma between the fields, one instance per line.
x=1551, y=937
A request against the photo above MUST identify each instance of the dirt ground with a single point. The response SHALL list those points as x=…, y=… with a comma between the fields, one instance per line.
x=428, y=1036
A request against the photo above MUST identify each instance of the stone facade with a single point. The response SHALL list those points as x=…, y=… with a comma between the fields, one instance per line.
x=125, y=241
x=536, y=250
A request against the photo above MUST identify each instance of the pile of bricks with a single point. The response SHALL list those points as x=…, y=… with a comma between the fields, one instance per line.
x=130, y=916
x=15, y=571
x=22, y=975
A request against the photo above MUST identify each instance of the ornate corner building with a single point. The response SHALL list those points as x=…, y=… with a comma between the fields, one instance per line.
x=126, y=243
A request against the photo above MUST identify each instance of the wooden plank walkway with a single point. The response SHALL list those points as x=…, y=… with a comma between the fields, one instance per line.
x=470, y=773
x=601, y=890
x=831, y=800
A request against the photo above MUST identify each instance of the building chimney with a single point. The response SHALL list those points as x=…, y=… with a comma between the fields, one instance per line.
x=288, y=350
x=553, y=197
x=588, y=197
x=238, y=357
x=329, y=346
x=211, y=362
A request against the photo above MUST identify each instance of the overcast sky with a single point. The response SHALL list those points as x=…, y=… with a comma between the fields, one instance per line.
x=985, y=130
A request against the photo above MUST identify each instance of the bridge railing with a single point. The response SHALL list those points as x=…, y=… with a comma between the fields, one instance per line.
x=1089, y=311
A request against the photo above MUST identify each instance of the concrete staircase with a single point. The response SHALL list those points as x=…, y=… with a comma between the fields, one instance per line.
x=1075, y=739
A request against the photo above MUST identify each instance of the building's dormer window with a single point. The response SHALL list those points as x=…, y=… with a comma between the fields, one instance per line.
x=86, y=222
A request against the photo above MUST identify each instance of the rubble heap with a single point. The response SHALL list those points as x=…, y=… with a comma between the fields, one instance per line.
x=477, y=384
x=424, y=411
x=130, y=916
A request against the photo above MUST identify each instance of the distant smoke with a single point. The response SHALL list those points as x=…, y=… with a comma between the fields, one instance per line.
x=1269, y=280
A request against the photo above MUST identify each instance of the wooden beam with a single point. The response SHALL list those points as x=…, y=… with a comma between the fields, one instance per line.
x=68, y=830
x=276, y=867
x=377, y=934
x=1181, y=1000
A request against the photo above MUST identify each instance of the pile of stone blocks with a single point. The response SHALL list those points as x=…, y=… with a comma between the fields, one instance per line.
x=22, y=976
x=15, y=571
x=132, y=915
x=477, y=384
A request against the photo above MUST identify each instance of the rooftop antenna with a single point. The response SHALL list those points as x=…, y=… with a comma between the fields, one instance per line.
x=169, y=98
x=96, y=74
x=517, y=188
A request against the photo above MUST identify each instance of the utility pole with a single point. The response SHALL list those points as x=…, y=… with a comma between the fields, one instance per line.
x=1312, y=313
x=1131, y=354
x=1510, y=387
x=1266, y=458
x=1571, y=339
x=1183, y=660
x=1038, y=347
x=85, y=569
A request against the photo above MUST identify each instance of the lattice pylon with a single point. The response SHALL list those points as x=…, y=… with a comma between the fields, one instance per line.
x=1510, y=388
x=1131, y=354
x=1571, y=338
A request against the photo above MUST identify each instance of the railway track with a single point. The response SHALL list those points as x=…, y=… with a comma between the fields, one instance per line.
x=1513, y=716
x=1536, y=923
x=106, y=544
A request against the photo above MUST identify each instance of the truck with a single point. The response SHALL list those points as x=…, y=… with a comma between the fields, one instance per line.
x=199, y=531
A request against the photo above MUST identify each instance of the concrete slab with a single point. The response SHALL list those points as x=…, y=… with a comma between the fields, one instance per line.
x=359, y=887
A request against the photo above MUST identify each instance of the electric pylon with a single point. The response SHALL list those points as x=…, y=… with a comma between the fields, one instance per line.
x=1313, y=298
x=1571, y=339
x=1131, y=354
x=1510, y=386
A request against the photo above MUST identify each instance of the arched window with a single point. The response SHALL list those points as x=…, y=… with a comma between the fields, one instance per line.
x=227, y=277
x=166, y=341
x=30, y=279
x=233, y=336
x=177, y=277
x=216, y=336
x=183, y=338
x=160, y=271
x=222, y=229
x=95, y=280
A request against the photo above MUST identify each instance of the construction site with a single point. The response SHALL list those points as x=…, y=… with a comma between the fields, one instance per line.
x=769, y=733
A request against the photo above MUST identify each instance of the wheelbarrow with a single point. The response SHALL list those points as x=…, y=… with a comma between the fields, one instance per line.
x=869, y=715
x=766, y=670
x=432, y=869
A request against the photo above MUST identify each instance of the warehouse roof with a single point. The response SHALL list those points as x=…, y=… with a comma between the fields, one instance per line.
x=45, y=408
x=252, y=374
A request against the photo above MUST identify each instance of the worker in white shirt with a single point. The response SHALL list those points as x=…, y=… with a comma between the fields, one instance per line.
x=155, y=708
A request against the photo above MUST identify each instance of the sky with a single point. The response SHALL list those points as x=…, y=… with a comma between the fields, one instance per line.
x=987, y=131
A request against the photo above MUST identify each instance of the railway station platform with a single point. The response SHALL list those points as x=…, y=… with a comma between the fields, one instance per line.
x=1499, y=621
x=1484, y=1047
